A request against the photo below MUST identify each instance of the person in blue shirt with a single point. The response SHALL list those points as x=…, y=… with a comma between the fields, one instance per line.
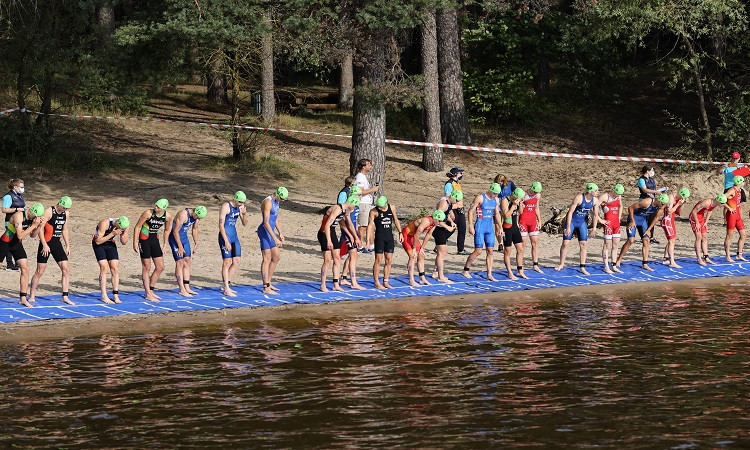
x=12, y=203
x=727, y=170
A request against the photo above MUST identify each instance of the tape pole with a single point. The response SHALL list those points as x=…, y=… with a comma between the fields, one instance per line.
x=388, y=141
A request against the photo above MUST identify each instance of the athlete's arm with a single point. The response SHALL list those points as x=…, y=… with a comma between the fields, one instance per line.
x=538, y=214
x=17, y=221
x=167, y=230
x=265, y=210
x=243, y=215
x=397, y=223
x=179, y=220
x=602, y=201
x=137, y=227
x=223, y=211
x=631, y=212
x=596, y=216
x=101, y=229
x=329, y=221
x=569, y=217
x=195, y=235
x=45, y=218
x=473, y=212
x=66, y=233
x=371, y=225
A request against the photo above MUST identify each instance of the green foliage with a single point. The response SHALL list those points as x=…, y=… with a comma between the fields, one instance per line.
x=734, y=129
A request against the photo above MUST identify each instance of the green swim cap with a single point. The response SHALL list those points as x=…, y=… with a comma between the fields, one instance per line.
x=738, y=180
x=591, y=187
x=684, y=193
x=438, y=215
x=200, y=211
x=162, y=203
x=663, y=198
x=721, y=198
x=66, y=202
x=618, y=189
x=382, y=201
x=495, y=188
x=518, y=193
x=37, y=209
x=457, y=195
x=536, y=186
x=240, y=196
x=123, y=222
x=355, y=190
x=354, y=200
x=282, y=192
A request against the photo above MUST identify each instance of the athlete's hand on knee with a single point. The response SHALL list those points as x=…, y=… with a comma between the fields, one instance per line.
x=45, y=250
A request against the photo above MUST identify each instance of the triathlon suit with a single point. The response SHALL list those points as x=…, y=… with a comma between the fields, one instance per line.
x=442, y=234
x=108, y=249
x=511, y=231
x=346, y=243
x=667, y=223
x=183, y=234
x=266, y=240
x=334, y=237
x=641, y=219
x=578, y=224
x=734, y=219
x=9, y=242
x=410, y=240
x=52, y=234
x=700, y=226
x=612, y=214
x=148, y=239
x=527, y=222
x=459, y=214
x=383, y=222
x=484, y=227
x=230, y=229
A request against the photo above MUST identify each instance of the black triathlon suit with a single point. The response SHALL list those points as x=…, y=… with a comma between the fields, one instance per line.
x=335, y=240
x=512, y=234
x=107, y=249
x=383, y=231
x=53, y=228
x=441, y=234
x=149, y=246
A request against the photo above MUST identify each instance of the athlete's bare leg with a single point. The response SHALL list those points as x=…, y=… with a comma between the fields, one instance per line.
x=727, y=244
x=114, y=268
x=23, y=266
x=387, y=270
x=469, y=260
x=103, y=270
x=563, y=254
x=489, y=261
x=40, y=268
x=582, y=258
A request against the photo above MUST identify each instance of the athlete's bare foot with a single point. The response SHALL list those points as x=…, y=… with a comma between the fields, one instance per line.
x=559, y=268
x=26, y=303
x=31, y=299
x=522, y=274
x=674, y=265
x=273, y=287
x=344, y=282
x=191, y=291
x=584, y=271
x=116, y=298
x=423, y=281
x=67, y=301
x=511, y=276
x=338, y=288
x=105, y=299
x=729, y=259
x=665, y=261
x=646, y=267
x=538, y=269
x=466, y=274
x=435, y=274
x=154, y=294
x=617, y=269
x=229, y=293
x=323, y=287
x=387, y=285
x=269, y=291
x=413, y=283
x=608, y=270
x=701, y=263
x=708, y=261
x=357, y=286
x=491, y=278
x=378, y=285
x=445, y=280
x=184, y=293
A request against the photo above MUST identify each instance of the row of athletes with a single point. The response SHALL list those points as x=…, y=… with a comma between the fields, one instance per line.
x=516, y=219
x=50, y=225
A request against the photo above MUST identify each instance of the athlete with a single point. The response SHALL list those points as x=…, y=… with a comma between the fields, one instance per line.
x=22, y=224
x=380, y=231
x=179, y=242
x=733, y=217
x=414, y=245
x=575, y=224
x=229, y=242
x=611, y=206
x=271, y=237
x=699, y=216
x=638, y=221
x=105, y=250
x=509, y=207
x=484, y=212
x=55, y=227
x=146, y=244
x=674, y=206
x=529, y=222
x=330, y=242
x=441, y=234
x=348, y=246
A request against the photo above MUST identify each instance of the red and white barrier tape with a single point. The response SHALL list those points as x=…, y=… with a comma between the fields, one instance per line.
x=389, y=141
x=8, y=111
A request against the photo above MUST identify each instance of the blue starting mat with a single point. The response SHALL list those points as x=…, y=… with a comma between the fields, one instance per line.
x=89, y=305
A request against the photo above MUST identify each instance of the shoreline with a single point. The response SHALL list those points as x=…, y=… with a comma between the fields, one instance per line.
x=55, y=329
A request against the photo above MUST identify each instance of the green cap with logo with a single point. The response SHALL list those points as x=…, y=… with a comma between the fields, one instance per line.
x=721, y=198
x=353, y=200
x=67, y=202
x=123, y=222
x=282, y=192
x=618, y=189
x=518, y=193
x=438, y=215
x=382, y=201
x=591, y=187
x=495, y=188
x=536, y=186
x=355, y=190
x=457, y=195
x=684, y=193
x=37, y=209
x=162, y=203
x=663, y=198
x=240, y=196
x=738, y=180
x=200, y=211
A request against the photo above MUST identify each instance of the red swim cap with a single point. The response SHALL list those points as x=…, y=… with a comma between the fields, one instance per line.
x=735, y=155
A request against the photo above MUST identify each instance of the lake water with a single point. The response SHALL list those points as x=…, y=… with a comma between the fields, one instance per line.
x=667, y=371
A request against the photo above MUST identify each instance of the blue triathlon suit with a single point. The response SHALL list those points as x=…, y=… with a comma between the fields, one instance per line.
x=183, y=238
x=266, y=240
x=640, y=217
x=484, y=227
x=230, y=228
x=578, y=221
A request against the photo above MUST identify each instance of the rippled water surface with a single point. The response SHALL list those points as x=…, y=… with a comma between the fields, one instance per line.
x=668, y=371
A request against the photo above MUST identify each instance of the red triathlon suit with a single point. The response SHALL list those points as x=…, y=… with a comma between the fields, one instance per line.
x=409, y=235
x=700, y=227
x=734, y=219
x=667, y=223
x=527, y=223
x=612, y=214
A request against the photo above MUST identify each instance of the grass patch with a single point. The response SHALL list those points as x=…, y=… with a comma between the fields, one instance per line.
x=266, y=166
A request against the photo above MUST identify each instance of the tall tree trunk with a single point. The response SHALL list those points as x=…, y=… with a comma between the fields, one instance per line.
x=346, y=83
x=196, y=75
x=105, y=16
x=217, y=88
x=701, y=98
x=454, y=122
x=368, y=136
x=234, y=101
x=432, y=157
x=268, y=100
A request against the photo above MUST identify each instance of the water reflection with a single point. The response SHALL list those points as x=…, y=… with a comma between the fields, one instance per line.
x=668, y=370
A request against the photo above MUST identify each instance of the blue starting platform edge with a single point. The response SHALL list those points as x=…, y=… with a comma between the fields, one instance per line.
x=89, y=305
